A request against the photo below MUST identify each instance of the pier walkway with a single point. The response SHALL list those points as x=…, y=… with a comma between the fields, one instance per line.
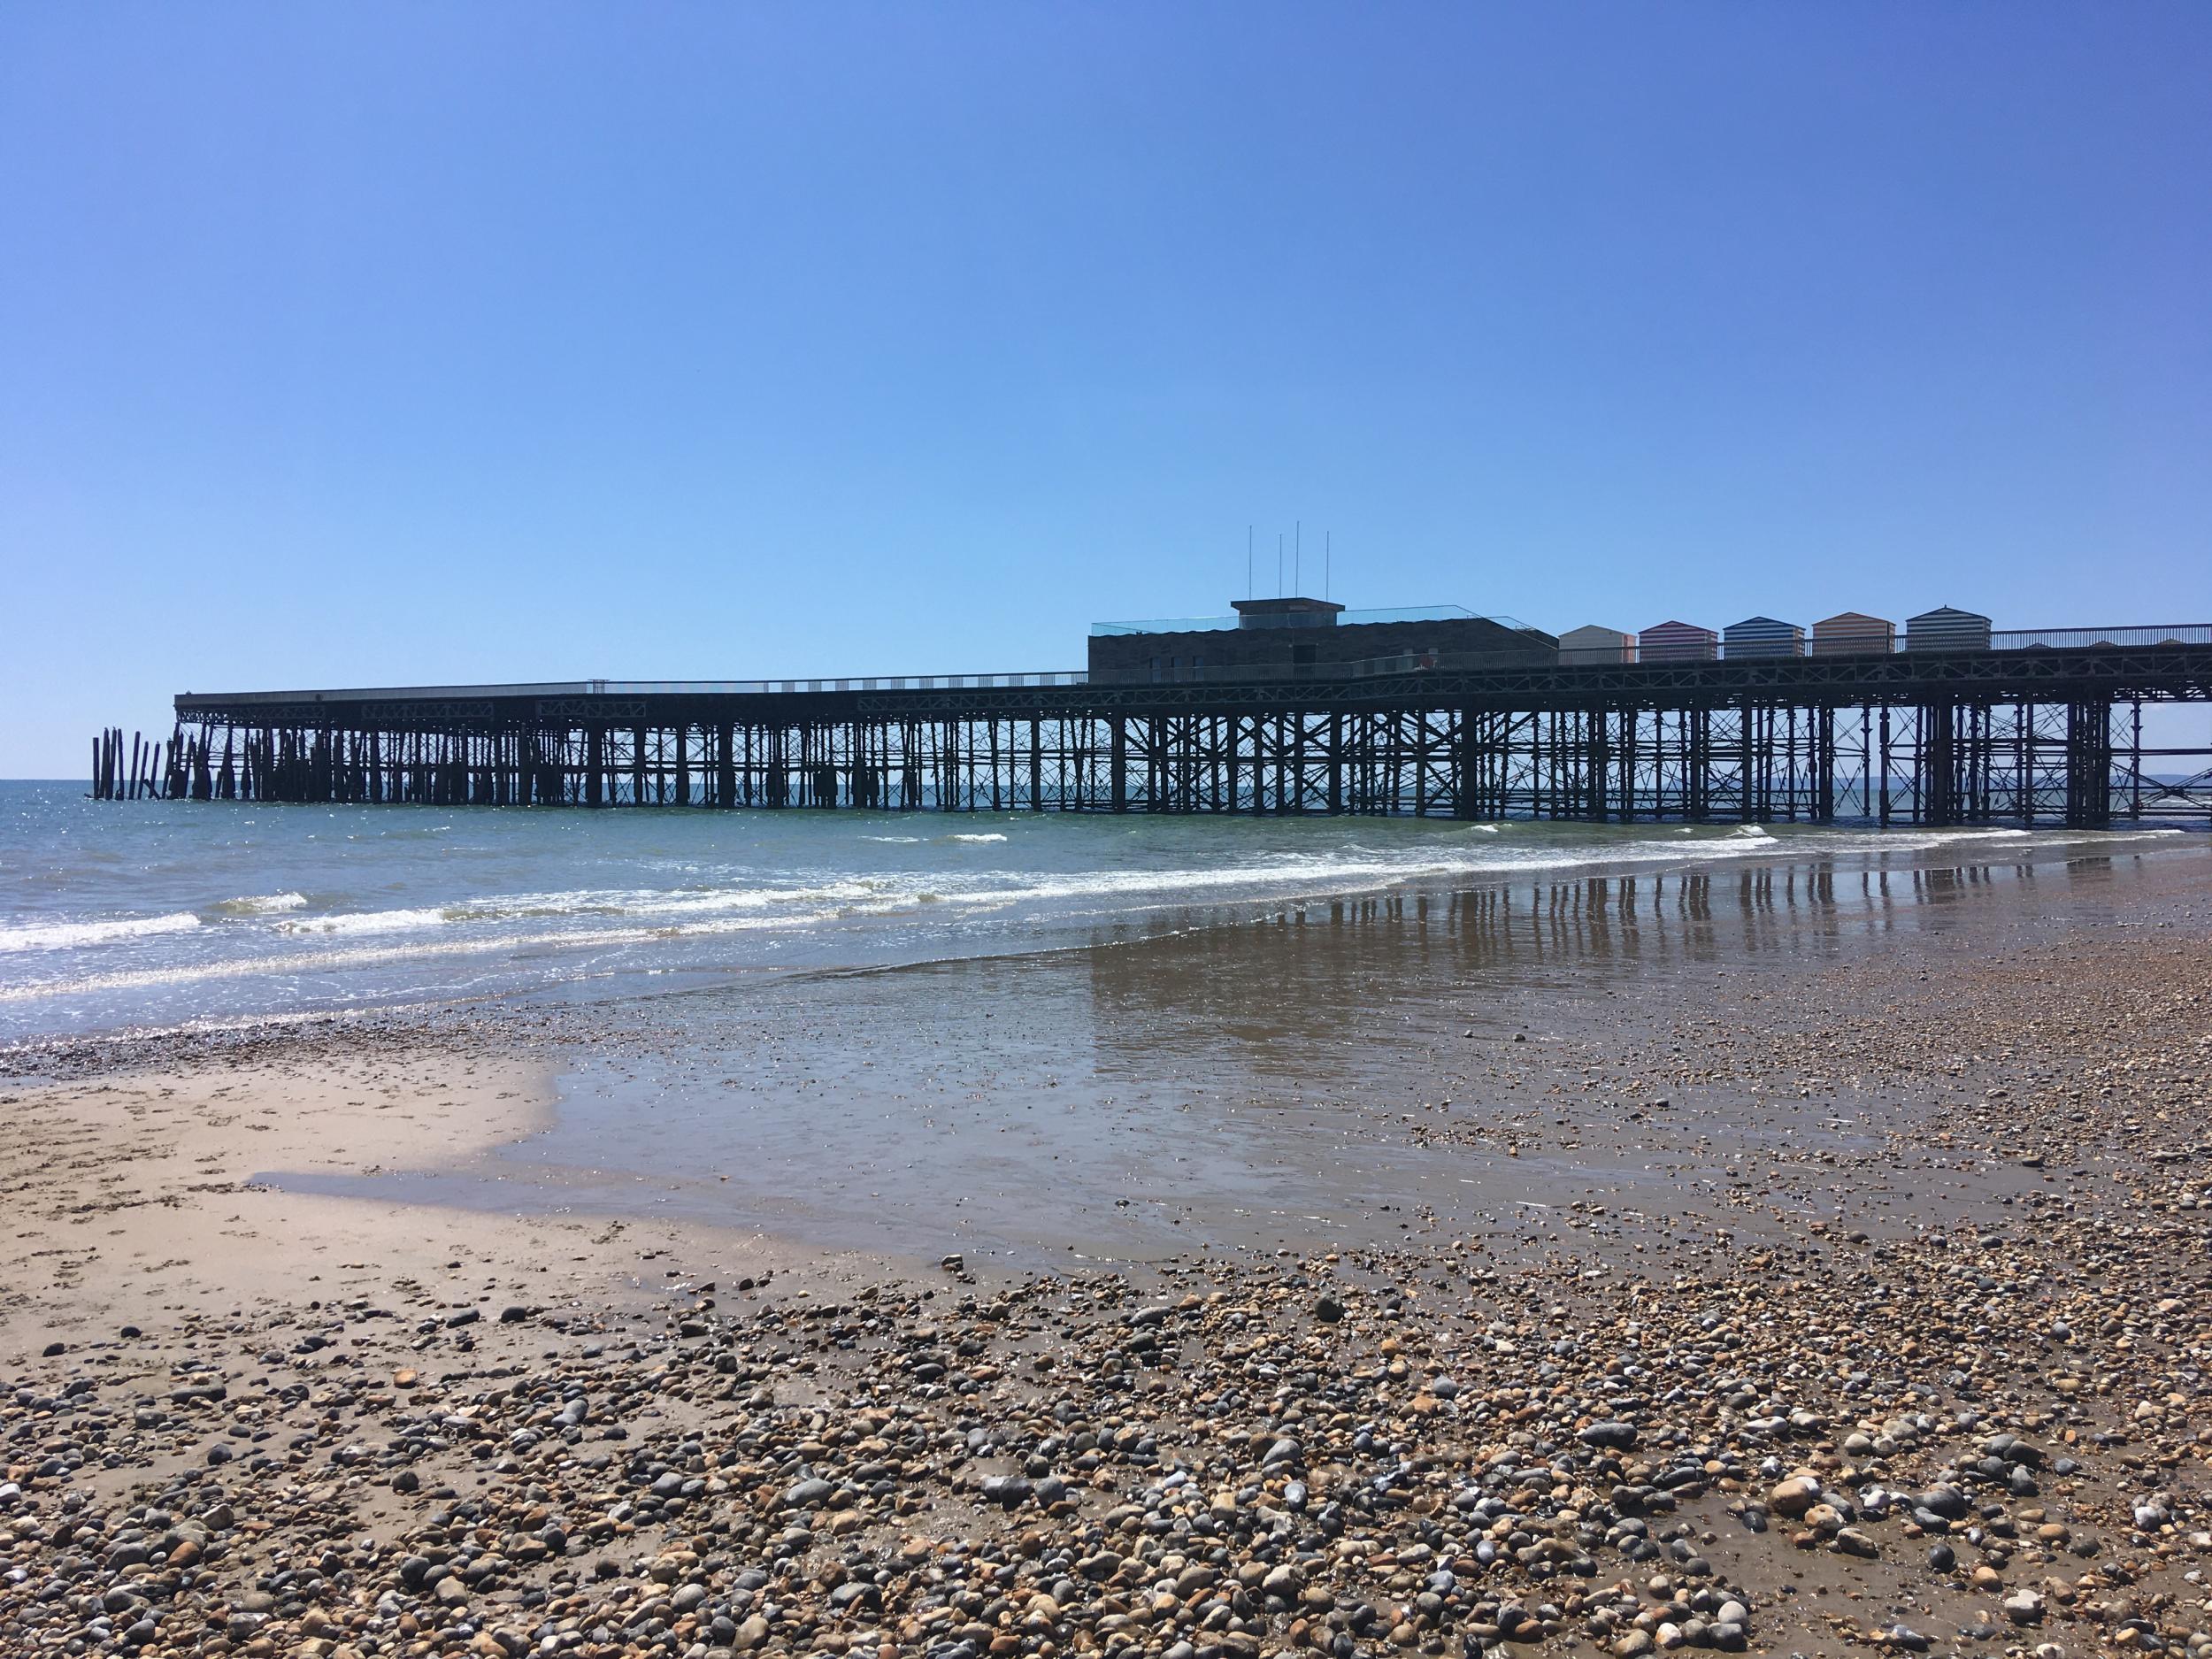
x=2041, y=728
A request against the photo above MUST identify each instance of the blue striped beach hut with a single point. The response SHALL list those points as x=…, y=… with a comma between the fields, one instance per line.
x=1947, y=629
x=1761, y=636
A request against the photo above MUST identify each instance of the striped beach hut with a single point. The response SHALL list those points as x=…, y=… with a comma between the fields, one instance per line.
x=1763, y=637
x=1677, y=642
x=1947, y=629
x=1595, y=644
x=1853, y=633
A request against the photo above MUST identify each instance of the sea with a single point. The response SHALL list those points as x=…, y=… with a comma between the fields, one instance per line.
x=137, y=916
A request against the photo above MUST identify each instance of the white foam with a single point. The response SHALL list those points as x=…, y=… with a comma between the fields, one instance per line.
x=975, y=840
x=68, y=935
x=675, y=902
x=263, y=904
x=367, y=922
x=324, y=962
x=666, y=913
x=604, y=919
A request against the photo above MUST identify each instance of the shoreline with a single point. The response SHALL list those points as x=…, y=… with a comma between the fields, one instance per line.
x=897, y=925
x=1892, y=1340
x=1206, y=1110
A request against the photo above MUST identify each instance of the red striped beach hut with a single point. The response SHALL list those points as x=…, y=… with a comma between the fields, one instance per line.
x=1853, y=633
x=1677, y=642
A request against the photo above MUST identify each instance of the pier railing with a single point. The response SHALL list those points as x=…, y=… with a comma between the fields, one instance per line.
x=1397, y=663
x=2077, y=639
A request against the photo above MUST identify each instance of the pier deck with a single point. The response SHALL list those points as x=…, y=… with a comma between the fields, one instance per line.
x=2026, y=733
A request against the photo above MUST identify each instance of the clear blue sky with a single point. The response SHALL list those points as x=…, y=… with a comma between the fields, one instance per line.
x=394, y=343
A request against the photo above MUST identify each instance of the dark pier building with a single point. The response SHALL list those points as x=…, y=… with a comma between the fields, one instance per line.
x=1288, y=637
x=1293, y=705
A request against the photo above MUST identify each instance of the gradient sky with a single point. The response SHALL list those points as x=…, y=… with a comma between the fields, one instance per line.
x=413, y=343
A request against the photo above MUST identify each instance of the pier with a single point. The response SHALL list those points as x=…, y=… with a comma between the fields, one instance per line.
x=2029, y=729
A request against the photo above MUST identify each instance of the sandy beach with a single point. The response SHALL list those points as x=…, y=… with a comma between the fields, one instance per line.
x=1851, y=1299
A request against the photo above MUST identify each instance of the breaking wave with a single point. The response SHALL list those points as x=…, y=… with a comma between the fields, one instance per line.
x=263, y=904
x=71, y=935
x=381, y=911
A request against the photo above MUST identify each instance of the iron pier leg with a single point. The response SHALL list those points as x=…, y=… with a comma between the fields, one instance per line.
x=1884, y=758
x=2089, y=766
x=2135, y=758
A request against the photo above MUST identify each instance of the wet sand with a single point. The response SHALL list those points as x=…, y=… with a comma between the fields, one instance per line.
x=1651, y=1267
x=1278, y=1084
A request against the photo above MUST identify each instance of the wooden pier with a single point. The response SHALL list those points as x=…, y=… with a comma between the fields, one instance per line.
x=2012, y=736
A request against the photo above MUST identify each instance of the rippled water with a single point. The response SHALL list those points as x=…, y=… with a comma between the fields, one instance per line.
x=118, y=915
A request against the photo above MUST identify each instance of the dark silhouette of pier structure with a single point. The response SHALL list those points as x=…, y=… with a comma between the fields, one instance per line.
x=2035, y=729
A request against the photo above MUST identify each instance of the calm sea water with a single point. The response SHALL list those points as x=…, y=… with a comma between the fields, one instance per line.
x=135, y=916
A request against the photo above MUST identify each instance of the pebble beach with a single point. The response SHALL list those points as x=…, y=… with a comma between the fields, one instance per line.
x=1920, y=1369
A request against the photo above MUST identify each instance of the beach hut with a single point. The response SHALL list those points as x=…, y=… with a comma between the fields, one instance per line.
x=1947, y=629
x=1853, y=633
x=1763, y=637
x=1677, y=642
x=1595, y=644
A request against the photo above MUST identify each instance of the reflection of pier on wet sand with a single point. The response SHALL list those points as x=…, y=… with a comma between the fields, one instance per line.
x=1274, y=1080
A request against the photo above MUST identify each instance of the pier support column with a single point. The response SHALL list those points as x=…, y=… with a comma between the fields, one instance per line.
x=1697, y=764
x=2135, y=758
x=2089, y=766
x=1825, y=765
x=1935, y=786
x=1464, y=763
x=1882, y=762
x=1754, y=762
